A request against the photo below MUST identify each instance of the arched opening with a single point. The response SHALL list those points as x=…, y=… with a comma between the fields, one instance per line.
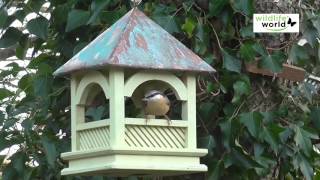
x=97, y=105
x=134, y=106
x=91, y=98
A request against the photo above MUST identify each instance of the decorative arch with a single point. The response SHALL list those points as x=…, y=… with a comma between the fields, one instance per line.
x=173, y=81
x=84, y=88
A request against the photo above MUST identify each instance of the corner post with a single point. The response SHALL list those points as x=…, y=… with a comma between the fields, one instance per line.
x=117, y=112
x=189, y=112
x=74, y=114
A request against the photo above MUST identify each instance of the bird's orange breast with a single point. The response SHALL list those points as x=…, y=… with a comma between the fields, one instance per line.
x=158, y=107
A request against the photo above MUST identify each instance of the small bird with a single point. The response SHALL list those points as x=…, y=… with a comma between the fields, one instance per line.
x=136, y=2
x=157, y=104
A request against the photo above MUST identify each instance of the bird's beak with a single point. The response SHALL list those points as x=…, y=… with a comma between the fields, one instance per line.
x=144, y=99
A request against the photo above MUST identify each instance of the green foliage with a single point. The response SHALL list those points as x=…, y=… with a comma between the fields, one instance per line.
x=230, y=62
x=254, y=128
x=10, y=37
x=38, y=27
x=77, y=18
x=273, y=62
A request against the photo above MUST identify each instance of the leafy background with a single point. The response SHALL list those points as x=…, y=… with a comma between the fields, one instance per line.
x=254, y=127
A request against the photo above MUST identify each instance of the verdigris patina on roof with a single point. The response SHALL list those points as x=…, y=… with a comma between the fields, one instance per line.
x=135, y=41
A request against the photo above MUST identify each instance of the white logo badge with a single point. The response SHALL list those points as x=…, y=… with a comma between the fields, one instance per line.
x=276, y=23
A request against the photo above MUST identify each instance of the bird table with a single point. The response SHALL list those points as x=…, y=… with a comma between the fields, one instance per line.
x=133, y=55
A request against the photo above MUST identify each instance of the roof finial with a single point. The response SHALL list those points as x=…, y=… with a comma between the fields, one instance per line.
x=136, y=3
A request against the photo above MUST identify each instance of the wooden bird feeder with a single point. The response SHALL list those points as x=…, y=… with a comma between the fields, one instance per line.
x=133, y=53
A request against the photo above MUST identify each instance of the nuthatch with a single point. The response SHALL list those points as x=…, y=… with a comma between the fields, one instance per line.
x=157, y=104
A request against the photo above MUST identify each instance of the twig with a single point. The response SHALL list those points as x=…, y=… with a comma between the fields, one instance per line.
x=203, y=124
x=236, y=112
x=216, y=35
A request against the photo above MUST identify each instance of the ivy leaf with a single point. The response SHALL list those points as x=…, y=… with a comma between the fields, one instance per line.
x=96, y=7
x=302, y=162
x=4, y=93
x=78, y=47
x=38, y=27
x=247, y=31
x=231, y=63
x=20, y=15
x=189, y=26
x=273, y=63
x=202, y=33
x=243, y=160
x=110, y=17
x=253, y=122
x=35, y=5
x=298, y=54
x=271, y=136
x=3, y=17
x=18, y=160
x=209, y=143
x=206, y=110
x=77, y=18
x=311, y=34
x=247, y=52
x=214, y=174
x=23, y=47
x=307, y=90
x=302, y=139
x=59, y=15
x=4, y=143
x=167, y=22
x=2, y=117
x=240, y=88
x=260, y=49
x=318, y=54
x=226, y=134
x=10, y=37
x=42, y=82
x=42, y=85
x=216, y=6
x=244, y=6
x=209, y=58
x=50, y=150
x=315, y=116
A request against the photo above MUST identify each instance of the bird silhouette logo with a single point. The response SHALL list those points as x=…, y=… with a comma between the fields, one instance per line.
x=291, y=22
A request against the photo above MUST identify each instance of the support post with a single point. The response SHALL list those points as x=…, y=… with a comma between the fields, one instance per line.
x=189, y=112
x=117, y=113
x=74, y=114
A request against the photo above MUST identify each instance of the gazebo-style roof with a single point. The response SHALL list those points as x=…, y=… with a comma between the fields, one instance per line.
x=135, y=41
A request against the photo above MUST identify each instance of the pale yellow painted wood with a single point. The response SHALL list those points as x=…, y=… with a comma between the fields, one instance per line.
x=175, y=83
x=74, y=114
x=155, y=122
x=80, y=93
x=117, y=113
x=164, y=143
x=134, y=151
x=125, y=146
x=189, y=111
x=130, y=165
x=92, y=77
x=151, y=140
x=94, y=124
x=94, y=138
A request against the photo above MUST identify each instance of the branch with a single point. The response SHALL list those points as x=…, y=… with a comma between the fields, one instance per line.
x=8, y=52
